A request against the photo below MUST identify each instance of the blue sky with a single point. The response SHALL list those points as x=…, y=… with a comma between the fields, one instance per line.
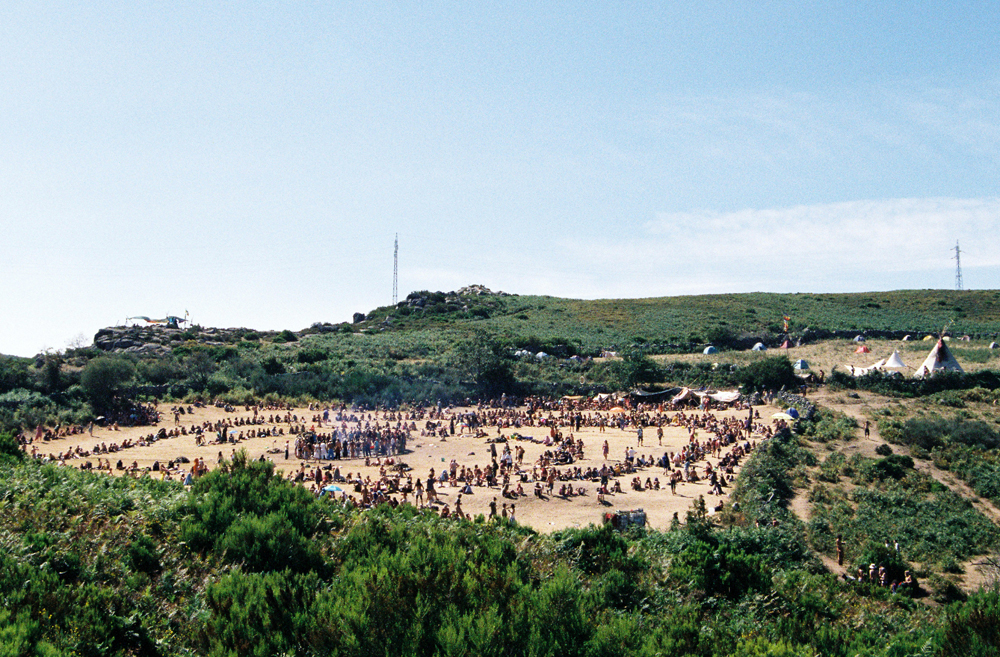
x=252, y=162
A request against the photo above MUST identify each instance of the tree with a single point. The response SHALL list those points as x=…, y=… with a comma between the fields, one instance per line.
x=104, y=380
x=772, y=373
x=485, y=360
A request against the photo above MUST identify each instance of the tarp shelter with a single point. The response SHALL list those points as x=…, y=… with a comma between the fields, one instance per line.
x=893, y=362
x=647, y=396
x=861, y=371
x=685, y=393
x=862, y=349
x=940, y=359
x=710, y=350
x=801, y=364
x=759, y=347
x=720, y=396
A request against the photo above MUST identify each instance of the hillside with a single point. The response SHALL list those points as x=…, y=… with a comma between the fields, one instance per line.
x=674, y=322
x=244, y=562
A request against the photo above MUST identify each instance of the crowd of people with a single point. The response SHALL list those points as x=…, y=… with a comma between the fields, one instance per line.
x=322, y=441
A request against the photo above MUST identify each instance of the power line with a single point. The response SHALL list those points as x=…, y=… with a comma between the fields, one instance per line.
x=958, y=267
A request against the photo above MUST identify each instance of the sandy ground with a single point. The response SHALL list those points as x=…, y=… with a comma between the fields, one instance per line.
x=424, y=453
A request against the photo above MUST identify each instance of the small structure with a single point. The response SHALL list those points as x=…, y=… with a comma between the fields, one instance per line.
x=862, y=349
x=893, y=362
x=622, y=520
x=939, y=360
x=760, y=346
x=710, y=350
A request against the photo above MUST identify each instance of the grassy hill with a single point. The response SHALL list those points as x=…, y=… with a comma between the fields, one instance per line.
x=590, y=326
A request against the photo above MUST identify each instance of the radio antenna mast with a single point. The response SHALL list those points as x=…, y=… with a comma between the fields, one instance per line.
x=958, y=267
x=395, y=271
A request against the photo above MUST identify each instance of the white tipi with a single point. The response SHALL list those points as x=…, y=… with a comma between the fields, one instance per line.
x=938, y=360
x=893, y=362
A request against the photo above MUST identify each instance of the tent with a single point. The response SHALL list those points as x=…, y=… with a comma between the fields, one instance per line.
x=859, y=338
x=710, y=350
x=862, y=349
x=786, y=345
x=994, y=345
x=928, y=338
x=801, y=364
x=893, y=362
x=793, y=412
x=940, y=359
x=861, y=371
x=907, y=337
x=759, y=347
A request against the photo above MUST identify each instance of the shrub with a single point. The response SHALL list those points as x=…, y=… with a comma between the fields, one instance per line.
x=9, y=448
x=142, y=555
x=771, y=373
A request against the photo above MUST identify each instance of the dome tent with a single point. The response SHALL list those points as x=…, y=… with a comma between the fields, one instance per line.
x=710, y=350
x=760, y=346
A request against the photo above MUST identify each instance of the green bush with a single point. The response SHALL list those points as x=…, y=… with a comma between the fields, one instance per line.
x=9, y=449
x=771, y=373
x=142, y=555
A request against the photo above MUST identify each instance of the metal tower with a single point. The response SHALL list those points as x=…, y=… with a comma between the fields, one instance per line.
x=395, y=271
x=958, y=267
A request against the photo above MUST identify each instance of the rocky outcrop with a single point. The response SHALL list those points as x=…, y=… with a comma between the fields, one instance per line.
x=160, y=340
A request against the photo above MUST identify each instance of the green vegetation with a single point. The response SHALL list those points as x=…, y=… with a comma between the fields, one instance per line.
x=247, y=563
x=244, y=563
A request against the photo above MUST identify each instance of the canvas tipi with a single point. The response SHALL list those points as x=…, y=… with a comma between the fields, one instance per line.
x=938, y=360
x=893, y=362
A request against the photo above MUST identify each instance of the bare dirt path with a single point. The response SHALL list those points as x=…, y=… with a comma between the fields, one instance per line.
x=866, y=446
